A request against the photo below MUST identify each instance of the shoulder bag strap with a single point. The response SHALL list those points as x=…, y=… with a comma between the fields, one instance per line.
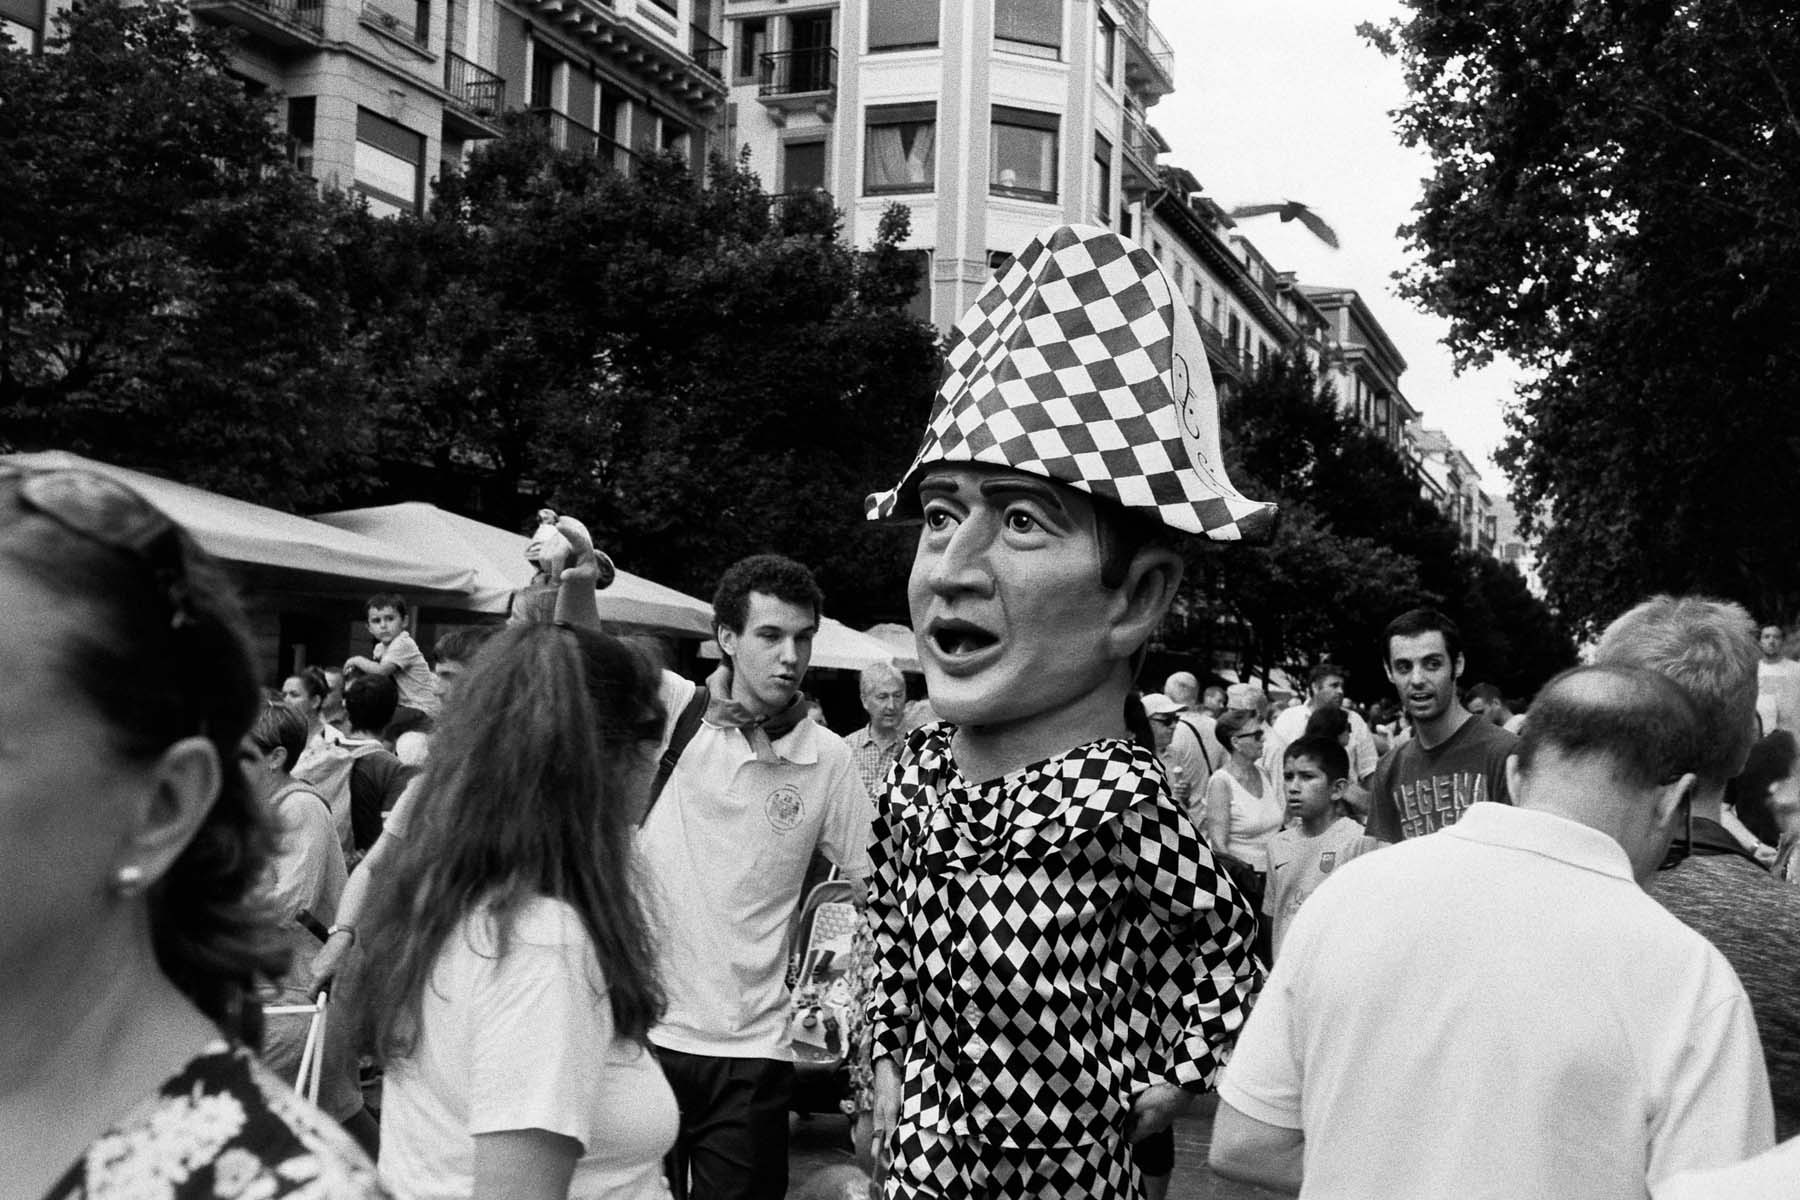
x=687, y=724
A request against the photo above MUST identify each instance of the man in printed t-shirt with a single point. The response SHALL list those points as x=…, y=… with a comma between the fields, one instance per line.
x=1452, y=760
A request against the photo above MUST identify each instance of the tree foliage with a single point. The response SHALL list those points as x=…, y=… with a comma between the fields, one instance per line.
x=698, y=371
x=1356, y=544
x=172, y=296
x=1615, y=203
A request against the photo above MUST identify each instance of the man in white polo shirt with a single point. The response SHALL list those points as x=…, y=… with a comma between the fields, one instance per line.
x=726, y=847
x=1500, y=1009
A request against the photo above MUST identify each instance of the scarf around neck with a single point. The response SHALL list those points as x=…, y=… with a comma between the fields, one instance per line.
x=760, y=732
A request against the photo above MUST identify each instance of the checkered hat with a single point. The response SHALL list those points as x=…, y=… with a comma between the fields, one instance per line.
x=1081, y=364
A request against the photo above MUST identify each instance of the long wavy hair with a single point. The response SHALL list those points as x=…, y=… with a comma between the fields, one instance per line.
x=526, y=794
x=155, y=681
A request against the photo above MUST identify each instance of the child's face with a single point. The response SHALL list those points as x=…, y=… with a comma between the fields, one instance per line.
x=385, y=624
x=1309, y=793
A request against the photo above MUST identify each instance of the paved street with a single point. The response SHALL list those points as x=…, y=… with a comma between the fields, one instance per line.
x=823, y=1141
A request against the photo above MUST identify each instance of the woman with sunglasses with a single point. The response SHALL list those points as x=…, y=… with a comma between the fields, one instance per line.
x=130, y=853
x=517, y=982
x=1244, y=810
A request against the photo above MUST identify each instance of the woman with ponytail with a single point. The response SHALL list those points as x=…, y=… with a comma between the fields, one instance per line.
x=511, y=965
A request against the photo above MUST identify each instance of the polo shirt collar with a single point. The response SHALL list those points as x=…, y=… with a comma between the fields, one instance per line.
x=799, y=745
x=1547, y=834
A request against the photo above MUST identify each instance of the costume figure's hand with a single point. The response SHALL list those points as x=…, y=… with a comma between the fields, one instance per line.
x=588, y=571
x=887, y=1111
x=1157, y=1108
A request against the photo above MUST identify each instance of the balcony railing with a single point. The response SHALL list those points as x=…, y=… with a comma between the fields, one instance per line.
x=1149, y=59
x=475, y=88
x=796, y=72
x=287, y=22
x=808, y=210
x=400, y=25
x=566, y=133
x=708, y=51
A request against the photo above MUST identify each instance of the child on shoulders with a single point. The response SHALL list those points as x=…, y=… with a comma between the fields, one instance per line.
x=397, y=655
x=1321, y=837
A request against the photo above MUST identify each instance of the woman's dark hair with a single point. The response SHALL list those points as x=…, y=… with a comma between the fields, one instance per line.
x=528, y=782
x=314, y=684
x=1330, y=722
x=1232, y=722
x=278, y=725
x=159, y=662
x=1771, y=761
x=1137, y=722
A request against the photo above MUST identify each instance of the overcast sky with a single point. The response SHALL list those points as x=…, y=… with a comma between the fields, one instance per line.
x=1281, y=100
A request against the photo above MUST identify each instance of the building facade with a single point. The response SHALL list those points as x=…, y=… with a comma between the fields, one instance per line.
x=988, y=119
x=379, y=96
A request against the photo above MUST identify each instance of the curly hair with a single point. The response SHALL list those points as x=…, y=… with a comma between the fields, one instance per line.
x=770, y=574
x=529, y=786
x=153, y=680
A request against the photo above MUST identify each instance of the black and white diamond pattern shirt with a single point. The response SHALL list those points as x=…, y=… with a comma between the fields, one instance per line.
x=1048, y=944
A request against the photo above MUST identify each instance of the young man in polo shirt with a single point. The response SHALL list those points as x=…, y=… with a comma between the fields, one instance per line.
x=1453, y=760
x=753, y=795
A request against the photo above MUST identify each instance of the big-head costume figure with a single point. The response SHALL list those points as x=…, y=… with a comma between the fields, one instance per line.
x=1059, y=962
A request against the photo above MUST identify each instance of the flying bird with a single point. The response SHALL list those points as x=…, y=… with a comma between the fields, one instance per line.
x=1291, y=210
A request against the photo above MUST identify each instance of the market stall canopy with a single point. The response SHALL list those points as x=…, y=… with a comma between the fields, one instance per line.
x=277, y=550
x=837, y=646
x=497, y=559
x=900, y=641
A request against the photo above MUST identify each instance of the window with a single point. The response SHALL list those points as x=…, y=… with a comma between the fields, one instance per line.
x=1106, y=47
x=14, y=26
x=1180, y=275
x=543, y=78
x=998, y=261
x=802, y=166
x=1023, y=159
x=900, y=154
x=390, y=165
x=302, y=112
x=1031, y=27
x=919, y=307
x=752, y=44
x=1103, y=180
x=902, y=24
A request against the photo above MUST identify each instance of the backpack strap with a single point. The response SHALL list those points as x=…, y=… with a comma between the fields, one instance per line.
x=687, y=724
x=1200, y=737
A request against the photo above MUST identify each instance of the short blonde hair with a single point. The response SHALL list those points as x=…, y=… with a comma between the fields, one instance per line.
x=1707, y=646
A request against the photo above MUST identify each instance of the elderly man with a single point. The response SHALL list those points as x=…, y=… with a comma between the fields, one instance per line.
x=1183, y=689
x=874, y=745
x=1500, y=1009
x=1715, y=885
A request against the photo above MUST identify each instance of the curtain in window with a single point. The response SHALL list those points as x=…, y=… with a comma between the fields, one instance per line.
x=900, y=155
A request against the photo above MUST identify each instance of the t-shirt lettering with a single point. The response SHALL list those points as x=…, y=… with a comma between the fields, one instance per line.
x=1417, y=791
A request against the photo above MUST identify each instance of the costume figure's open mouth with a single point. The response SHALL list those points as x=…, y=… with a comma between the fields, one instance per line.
x=956, y=639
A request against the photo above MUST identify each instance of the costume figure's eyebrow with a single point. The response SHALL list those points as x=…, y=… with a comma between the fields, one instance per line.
x=941, y=482
x=1041, y=490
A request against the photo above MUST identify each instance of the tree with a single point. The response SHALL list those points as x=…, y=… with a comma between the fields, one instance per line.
x=172, y=295
x=1615, y=203
x=1355, y=545
x=697, y=371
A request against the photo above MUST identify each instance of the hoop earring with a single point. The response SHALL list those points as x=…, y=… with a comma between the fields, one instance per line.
x=128, y=880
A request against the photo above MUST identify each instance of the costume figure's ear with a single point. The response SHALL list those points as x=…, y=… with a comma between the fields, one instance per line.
x=1142, y=600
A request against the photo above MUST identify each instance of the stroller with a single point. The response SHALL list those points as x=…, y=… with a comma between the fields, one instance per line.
x=822, y=995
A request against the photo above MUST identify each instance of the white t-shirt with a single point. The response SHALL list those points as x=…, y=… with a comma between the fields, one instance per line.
x=418, y=686
x=1500, y=1010
x=726, y=849
x=1290, y=727
x=524, y=1041
x=1774, y=1175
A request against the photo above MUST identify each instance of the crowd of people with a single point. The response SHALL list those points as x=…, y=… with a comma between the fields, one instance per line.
x=549, y=885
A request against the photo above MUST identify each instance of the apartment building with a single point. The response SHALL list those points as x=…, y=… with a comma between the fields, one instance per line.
x=379, y=95
x=989, y=119
x=1368, y=366
x=1451, y=480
